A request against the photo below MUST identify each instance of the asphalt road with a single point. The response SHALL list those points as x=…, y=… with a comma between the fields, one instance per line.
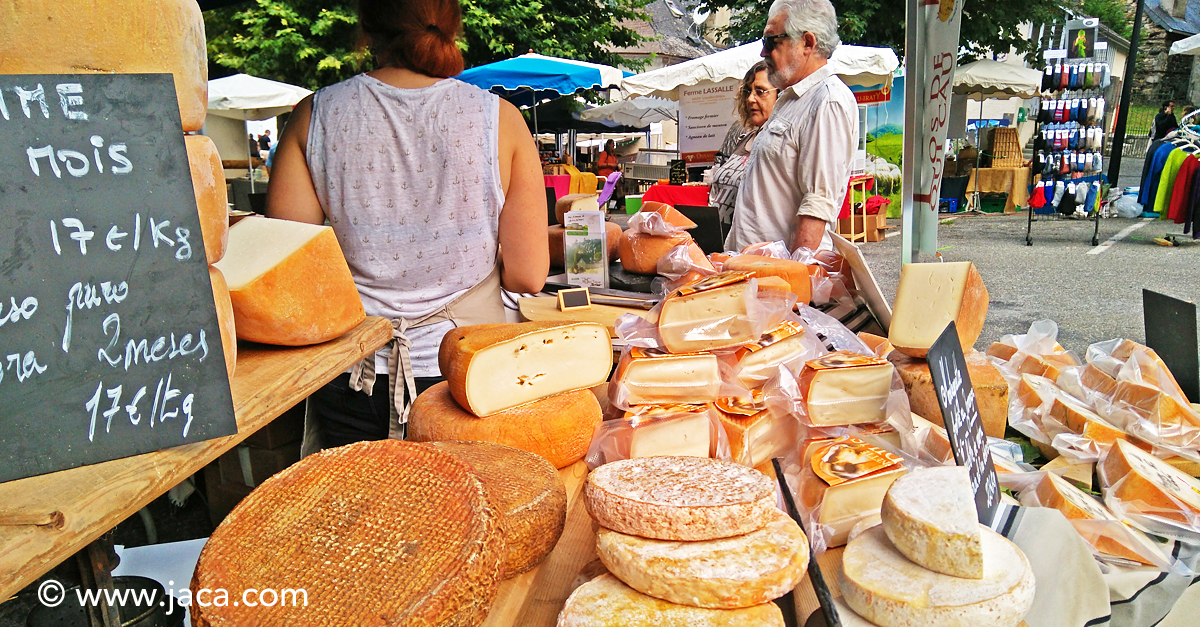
x=1092, y=297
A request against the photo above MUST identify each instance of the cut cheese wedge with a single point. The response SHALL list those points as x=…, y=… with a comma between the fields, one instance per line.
x=606, y=602
x=933, y=438
x=1095, y=379
x=225, y=318
x=878, y=345
x=726, y=573
x=212, y=201
x=931, y=296
x=686, y=433
x=929, y=515
x=493, y=367
x=669, y=213
x=289, y=283
x=558, y=428
x=798, y=275
x=1054, y=491
x=1082, y=420
x=527, y=493
x=110, y=37
x=640, y=253
x=679, y=498
x=991, y=390
x=575, y=202
x=756, y=433
x=845, y=388
x=710, y=314
x=645, y=376
x=1149, y=485
x=1002, y=351
x=1174, y=422
x=851, y=480
x=785, y=345
x=880, y=584
x=1078, y=474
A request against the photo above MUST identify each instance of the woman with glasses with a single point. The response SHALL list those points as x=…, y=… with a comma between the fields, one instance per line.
x=755, y=101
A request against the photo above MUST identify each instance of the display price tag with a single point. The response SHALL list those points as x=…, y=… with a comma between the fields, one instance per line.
x=109, y=341
x=952, y=383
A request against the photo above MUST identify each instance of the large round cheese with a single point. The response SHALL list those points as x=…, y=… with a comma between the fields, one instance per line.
x=680, y=498
x=212, y=200
x=373, y=533
x=555, y=232
x=727, y=573
x=798, y=275
x=929, y=515
x=558, y=428
x=606, y=602
x=528, y=495
x=884, y=587
x=225, y=318
x=640, y=252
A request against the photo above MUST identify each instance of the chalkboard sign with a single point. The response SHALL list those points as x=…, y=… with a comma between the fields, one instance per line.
x=952, y=383
x=678, y=172
x=109, y=339
x=1171, y=332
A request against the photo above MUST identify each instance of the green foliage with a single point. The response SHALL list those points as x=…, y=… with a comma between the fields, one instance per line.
x=1111, y=13
x=314, y=43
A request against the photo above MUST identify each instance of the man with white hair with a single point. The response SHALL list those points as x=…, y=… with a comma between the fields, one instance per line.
x=800, y=163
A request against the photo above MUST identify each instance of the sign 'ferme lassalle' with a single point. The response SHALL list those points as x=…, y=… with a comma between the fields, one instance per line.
x=109, y=342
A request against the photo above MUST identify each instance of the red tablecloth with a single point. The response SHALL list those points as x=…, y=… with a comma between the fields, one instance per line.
x=560, y=182
x=689, y=195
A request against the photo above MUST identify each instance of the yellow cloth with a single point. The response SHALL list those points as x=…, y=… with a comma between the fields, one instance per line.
x=587, y=184
x=1013, y=181
x=576, y=178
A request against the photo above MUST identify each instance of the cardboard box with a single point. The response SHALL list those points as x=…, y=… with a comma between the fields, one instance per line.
x=221, y=497
x=287, y=428
x=249, y=466
x=868, y=223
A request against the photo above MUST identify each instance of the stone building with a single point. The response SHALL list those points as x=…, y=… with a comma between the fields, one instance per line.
x=1161, y=76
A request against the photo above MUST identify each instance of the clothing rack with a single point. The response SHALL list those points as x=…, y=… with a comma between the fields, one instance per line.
x=1169, y=185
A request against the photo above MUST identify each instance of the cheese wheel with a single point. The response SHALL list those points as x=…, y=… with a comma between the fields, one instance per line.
x=110, y=37
x=289, y=283
x=493, y=367
x=368, y=530
x=612, y=239
x=727, y=573
x=669, y=213
x=1149, y=485
x=884, y=587
x=527, y=493
x=558, y=248
x=929, y=515
x=798, y=275
x=558, y=428
x=1054, y=491
x=212, y=201
x=575, y=202
x=225, y=318
x=606, y=602
x=679, y=498
x=640, y=253
x=929, y=297
x=991, y=390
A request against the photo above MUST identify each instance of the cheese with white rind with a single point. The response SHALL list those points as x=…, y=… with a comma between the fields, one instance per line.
x=111, y=37
x=527, y=493
x=558, y=428
x=494, y=367
x=212, y=200
x=646, y=377
x=845, y=388
x=880, y=584
x=708, y=320
x=929, y=515
x=931, y=296
x=225, y=319
x=991, y=390
x=575, y=202
x=1055, y=492
x=606, y=602
x=289, y=283
x=726, y=573
x=679, y=498
x=1149, y=485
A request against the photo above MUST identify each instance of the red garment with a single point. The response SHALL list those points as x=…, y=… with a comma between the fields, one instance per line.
x=845, y=212
x=875, y=203
x=1182, y=189
x=1038, y=199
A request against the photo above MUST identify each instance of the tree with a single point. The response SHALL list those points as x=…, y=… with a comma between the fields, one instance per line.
x=314, y=43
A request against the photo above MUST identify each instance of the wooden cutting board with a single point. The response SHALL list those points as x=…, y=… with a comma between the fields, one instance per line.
x=542, y=308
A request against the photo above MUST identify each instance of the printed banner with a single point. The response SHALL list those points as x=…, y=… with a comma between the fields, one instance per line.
x=705, y=112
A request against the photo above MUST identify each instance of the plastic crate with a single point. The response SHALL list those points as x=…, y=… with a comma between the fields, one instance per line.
x=948, y=205
x=992, y=203
x=633, y=204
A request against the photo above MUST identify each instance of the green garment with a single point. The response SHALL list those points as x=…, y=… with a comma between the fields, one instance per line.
x=1162, y=197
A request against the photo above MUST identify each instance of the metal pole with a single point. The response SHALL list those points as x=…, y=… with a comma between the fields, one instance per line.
x=249, y=159
x=1118, y=145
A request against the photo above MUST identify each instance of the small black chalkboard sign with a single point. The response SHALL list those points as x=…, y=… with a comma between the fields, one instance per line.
x=1171, y=332
x=109, y=342
x=952, y=383
x=678, y=172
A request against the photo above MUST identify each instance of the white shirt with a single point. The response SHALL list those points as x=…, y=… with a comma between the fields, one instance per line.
x=800, y=163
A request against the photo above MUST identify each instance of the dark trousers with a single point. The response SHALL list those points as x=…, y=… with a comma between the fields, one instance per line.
x=345, y=416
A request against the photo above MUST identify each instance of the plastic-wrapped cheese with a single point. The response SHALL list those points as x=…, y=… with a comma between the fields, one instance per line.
x=1054, y=491
x=606, y=602
x=1149, y=485
x=669, y=213
x=851, y=480
x=845, y=388
x=225, y=318
x=929, y=297
x=785, y=345
x=289, y=283
x=711, y=314
x=212, y=201
x=110, y=37
x=558, y=428
x=798, y=275
x=645, y=376
x=640, y=253
x=756, y=433
x=929, y=515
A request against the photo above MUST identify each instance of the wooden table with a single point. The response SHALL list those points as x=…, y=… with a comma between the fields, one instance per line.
x=1013, y=181
x=541, y=308
x=93, y=499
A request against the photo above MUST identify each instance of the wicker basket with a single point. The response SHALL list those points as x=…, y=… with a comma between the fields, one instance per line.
x=1006, y=149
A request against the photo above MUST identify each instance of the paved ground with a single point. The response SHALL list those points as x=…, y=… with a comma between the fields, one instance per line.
x=1092, y=297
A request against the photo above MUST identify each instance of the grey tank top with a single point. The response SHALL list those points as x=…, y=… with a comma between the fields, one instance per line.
x=410, y=182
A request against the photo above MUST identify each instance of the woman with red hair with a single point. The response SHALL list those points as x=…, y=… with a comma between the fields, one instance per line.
x=434, y=190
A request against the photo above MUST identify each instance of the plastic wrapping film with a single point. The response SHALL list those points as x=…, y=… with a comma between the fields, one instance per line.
x=697, y=378
x=757, y=434
x=1170, y=518
x=659, y=430
x=680, y=267
x=1148, y=403
x=650, y=223
x=788, y=345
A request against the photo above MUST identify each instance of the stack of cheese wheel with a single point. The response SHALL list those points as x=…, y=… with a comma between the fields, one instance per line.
x=640, y=252
x=799, y=276
x=522, y=385
x=931, y=564
x=687, y=540
x=136, y=36
x=556, y=232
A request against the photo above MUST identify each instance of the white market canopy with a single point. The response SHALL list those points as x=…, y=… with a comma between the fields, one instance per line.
x=1190, y=45
x=639, y=112
x=245, y=97
x=985, y=79
x=856, y=65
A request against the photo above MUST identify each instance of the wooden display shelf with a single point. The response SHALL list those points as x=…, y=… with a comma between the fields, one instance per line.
x=93, y=499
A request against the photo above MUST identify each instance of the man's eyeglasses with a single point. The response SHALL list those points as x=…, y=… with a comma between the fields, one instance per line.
x=768, y=41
